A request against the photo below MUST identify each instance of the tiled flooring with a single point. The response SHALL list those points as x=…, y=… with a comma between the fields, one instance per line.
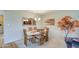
x=52, y=43
x=57, y=42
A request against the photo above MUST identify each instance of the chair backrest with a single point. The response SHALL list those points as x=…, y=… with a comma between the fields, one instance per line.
x=45, y=30
x=44, y=36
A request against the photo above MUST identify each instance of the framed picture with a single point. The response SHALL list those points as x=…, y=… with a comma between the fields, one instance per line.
x=50, y=21
x=29, y=21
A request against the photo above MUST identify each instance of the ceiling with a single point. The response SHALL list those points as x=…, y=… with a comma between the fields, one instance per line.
x=40, y=11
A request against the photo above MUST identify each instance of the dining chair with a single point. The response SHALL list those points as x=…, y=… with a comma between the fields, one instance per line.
x=31, y=38
x=29, y=28
x=44, y=36
x=25, y=37
x=34, y=37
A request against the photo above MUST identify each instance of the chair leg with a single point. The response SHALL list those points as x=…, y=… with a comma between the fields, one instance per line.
x=33, y=40
x=46, y=39
x=25, y=42
x=41, y=41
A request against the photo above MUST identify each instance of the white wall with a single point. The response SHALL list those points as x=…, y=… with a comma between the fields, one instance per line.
x=13, y=29
x=58, y=15
x=1, y=12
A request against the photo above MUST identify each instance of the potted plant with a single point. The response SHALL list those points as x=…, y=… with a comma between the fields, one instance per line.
x=69, y=26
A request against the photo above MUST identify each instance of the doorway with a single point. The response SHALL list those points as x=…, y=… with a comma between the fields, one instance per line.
x=1, y=30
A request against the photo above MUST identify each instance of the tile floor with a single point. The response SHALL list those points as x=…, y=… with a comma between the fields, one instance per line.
x=52, y=43
x=57, y=42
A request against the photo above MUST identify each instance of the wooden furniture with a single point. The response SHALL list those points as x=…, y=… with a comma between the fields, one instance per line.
x=29, y=28
x=25, y=37
x=44, y=36
x=33, y=35
x=41, y=35
x=30, y=36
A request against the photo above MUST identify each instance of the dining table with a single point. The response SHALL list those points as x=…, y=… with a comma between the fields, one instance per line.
x=30, y=33
x=33, y=36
